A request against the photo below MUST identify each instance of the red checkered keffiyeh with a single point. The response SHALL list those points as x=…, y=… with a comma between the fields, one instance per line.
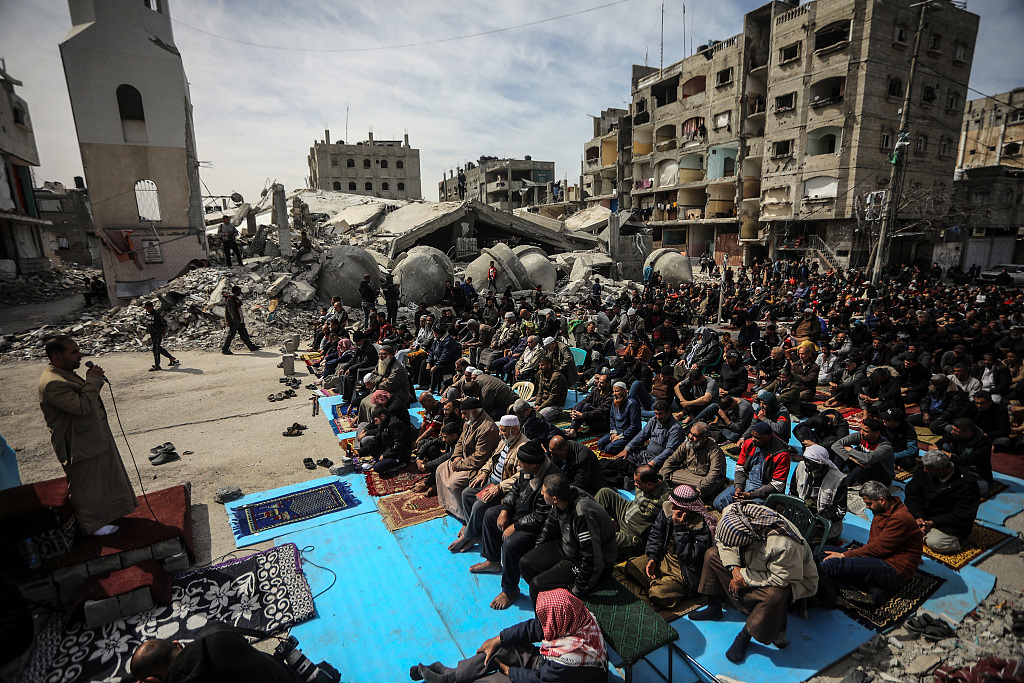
x=571, y=634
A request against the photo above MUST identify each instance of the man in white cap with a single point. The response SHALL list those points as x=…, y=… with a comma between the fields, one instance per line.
x=492, y=482
x=508, y=334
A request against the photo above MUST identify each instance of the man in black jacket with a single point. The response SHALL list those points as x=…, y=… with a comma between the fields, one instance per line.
x=387, y=442
x=735, y=379
x=367, y=298
x=594, y=410
x=944, y=501
x=914, y=379
x=510, y=530
x=236, y=324
x=992, y=419
x=578, y=463
x=219, y=653
x=940, y=406
x=392, y=293
x=971, y=451
x=156, y=327
x=364, y=358
x=576, y=547
x=824, y=429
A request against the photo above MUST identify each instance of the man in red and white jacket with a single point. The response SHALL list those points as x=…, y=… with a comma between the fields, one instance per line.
x=761, y=469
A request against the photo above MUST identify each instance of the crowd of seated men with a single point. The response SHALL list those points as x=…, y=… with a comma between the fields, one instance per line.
x=820, y=386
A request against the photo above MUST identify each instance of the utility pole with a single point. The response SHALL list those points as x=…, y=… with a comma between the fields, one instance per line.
x=899, y=160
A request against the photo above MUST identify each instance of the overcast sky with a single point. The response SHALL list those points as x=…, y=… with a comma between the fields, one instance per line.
x=527, y=90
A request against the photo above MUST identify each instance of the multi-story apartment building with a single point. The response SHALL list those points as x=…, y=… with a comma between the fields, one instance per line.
x=68, y=209
x=772, y=142
x=602, y=172
x=993, y=132
x=505, y=184
x=389, y=169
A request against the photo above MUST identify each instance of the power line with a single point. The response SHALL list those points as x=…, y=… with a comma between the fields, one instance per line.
x=404, y=45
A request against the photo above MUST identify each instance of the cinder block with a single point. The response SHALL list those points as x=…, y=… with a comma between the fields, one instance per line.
x=135, y=602
x=101, y=612
x=133, y=557
x=176, y=564
x=40, y=589
x=102, y=565
x=73, y=575
x=163, y=549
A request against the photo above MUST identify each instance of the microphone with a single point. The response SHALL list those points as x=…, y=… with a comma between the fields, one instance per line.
x=89, y=364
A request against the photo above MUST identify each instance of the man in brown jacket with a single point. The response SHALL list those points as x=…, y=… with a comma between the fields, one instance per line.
x=476, y=444
x=552, y=390
x=98, y=484
x=698, y=462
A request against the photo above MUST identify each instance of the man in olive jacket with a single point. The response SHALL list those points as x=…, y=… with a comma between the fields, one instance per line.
x=98, y=484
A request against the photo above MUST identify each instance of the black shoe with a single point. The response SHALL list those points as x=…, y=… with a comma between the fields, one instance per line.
x=254, y=349
x=165, y=457
x=227, y=352
x=174, y=361
x=155, y=368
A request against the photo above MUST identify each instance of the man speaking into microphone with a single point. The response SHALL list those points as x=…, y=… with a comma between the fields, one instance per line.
x=98, y=484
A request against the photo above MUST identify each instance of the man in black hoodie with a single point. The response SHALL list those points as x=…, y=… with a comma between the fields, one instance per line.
x=236, y=324
x=944, y=502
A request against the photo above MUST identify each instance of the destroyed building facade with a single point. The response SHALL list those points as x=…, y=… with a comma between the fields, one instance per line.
x=68, y=209
x=22, y=251
x=772, y=142
x=504, y=184
x=389, y=169
x=133, y=118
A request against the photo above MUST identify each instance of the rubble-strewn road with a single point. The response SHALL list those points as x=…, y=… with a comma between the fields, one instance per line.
x=17, y=319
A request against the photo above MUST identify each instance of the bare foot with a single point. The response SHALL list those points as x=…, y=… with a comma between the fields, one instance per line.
x=504, y=600
x=431, y=492
x=570, y=433
x=420, y=487
x=468, y=543
x=459, y=543
x=487, y=567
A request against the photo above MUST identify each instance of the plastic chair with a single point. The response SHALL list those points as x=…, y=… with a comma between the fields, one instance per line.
x=579, y=357
x=795, y=510
x=524, y=390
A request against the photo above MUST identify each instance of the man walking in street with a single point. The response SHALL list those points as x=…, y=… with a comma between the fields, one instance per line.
x=156, y=327
x=236, y=324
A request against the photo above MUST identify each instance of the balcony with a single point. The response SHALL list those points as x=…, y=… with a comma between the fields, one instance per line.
x=503, y=186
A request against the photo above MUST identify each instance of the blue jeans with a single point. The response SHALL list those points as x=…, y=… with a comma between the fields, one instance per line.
x=869, y=572
x=729, y=496
x=367, y=309
x=638, y=392
x=606, y=444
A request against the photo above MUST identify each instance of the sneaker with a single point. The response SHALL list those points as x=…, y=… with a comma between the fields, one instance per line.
x=367, y=466
x=165, y=457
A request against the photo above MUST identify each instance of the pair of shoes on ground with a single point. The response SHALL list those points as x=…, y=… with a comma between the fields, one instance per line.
x=282, y=396
x=293, y=382
x=929, y=628
x=323, y=462
x=295, y=430
x=163, y=454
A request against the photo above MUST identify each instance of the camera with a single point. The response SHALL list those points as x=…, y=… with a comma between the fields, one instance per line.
x=308, y=672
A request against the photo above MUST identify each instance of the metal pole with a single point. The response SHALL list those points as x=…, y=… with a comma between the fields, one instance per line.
x=902, y=144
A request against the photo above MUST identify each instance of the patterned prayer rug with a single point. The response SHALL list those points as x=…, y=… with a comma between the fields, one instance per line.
x=857, y=603
x=266, y=591
x=292, y=507
x=619, y=574
x=900, y=474
x=731, y=450
x=924, y=435
x=396, y=482
x=408, y=508
x=980, y=541
x=591, y=443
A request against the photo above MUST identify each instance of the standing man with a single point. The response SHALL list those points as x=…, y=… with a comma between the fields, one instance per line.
x=98, y=484
x=233, y=315
x=156, y=327
x=492, y=277
x=228, y=238
x=392, y=293
x=367, y=297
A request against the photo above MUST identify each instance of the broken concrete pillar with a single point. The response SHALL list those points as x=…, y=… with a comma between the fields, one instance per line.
x=511, y=271
x=284, y=233
x=278, y=286
x=540, y=268
x=421, y=273
x=297, y=292
x=341, y=270
x=675, y=268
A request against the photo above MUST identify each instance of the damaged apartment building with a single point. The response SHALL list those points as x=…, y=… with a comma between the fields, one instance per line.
x=504, y=184
x=389, y=169
x=776, y=142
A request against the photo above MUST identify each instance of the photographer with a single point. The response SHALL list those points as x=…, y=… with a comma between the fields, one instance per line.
x=219, y=653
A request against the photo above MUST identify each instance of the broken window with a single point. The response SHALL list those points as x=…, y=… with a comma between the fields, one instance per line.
x=885, y=141
x=1011, y=149
x=832, y=35
x=694, y=86
x=935, y=41
x=980, y=197
x=782, y=148
x=368, y=187
x=922, y=144
x=665, y=92
x=352, y=186
x=401, y=187
x=148, y=201
x=724, y=77
x=928, y=94
x=789, y=53
x=337, y=185
x=385, y=186
x=899, y=34
x=785, y=102
x=19, y=116
x=366, y=163
x=828, y=91
x=1016, y=117
x=895, y=87
x=825, y=140
x=383, y=163
x=952, y=100
x=945, y=146
x=133, y=116
x=350, y=163
x=399, y=164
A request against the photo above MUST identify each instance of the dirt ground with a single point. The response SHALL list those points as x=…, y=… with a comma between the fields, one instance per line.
x=213, y=405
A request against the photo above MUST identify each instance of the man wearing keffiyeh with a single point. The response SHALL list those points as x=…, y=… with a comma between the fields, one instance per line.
x=571, y=648
x=762, y=563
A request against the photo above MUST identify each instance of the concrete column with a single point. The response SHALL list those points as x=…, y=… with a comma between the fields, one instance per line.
x=284, y=233
x=613, y=241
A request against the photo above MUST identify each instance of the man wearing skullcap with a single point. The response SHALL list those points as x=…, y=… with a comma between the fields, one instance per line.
x=762, y=468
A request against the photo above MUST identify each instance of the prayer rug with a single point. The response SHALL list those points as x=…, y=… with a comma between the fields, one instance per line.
x=292, y=507
x=1008, y=463
x=591, y=443
x=900, y=474
x=981, y=540
x=924, y=435
x=408, y=508
x=619, y=574
x=857, y=603
x=266, y=591
x=994, y=490
x=396, y=482
x=731, y=450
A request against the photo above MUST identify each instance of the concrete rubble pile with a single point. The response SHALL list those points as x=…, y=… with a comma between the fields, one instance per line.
x=60, y=283
x=193, y=307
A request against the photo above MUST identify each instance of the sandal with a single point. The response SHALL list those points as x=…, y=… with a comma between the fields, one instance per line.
x=325, y=463
x=308, y=462
x=296, y=425
x=174, y=362
x=918, y=624
x=291, y=431
x=938, y=630
x=272, y=398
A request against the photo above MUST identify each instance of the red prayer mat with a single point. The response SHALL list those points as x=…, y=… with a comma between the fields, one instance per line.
x=408, y=508
x=396, y=482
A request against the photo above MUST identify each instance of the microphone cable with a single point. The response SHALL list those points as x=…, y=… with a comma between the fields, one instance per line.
x=138, y=474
